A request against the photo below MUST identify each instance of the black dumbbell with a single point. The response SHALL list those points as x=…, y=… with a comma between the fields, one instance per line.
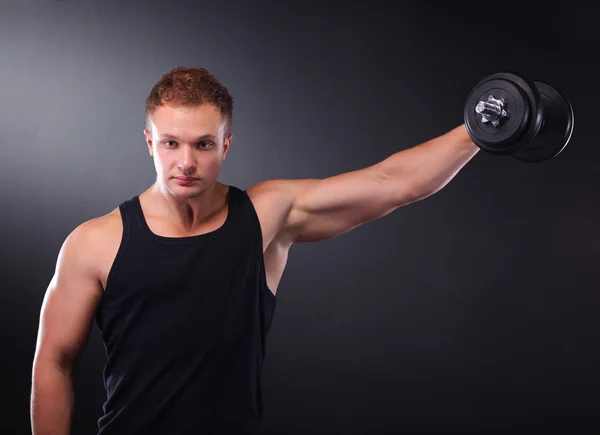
x=508, y=114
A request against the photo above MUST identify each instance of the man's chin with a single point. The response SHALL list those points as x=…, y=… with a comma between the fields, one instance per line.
x=186, y=192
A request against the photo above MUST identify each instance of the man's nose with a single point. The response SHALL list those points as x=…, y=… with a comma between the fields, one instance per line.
x=187, y=159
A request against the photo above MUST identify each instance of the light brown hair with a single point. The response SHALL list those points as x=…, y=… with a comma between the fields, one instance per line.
x=190, y=87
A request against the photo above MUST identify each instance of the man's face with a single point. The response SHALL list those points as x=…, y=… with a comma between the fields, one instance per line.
x=187, y=142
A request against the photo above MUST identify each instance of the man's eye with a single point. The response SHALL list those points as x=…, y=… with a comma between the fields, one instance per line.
x=205, y=145
x=168, y=142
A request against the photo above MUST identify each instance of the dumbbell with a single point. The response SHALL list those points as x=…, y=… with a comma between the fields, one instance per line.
x=507, y=114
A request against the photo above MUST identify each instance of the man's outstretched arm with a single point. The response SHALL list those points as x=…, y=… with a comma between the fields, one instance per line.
x=319, y=209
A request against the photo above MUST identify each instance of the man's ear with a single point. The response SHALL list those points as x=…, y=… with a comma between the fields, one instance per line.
x=227, y=144
x=148, y=138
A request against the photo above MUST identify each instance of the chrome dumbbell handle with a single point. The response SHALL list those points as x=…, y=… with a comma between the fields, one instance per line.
x=493, y=110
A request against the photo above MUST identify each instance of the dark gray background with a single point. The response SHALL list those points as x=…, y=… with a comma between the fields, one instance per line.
x=473, y=311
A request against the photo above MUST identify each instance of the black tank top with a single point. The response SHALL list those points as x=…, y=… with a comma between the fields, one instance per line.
x=184, y=322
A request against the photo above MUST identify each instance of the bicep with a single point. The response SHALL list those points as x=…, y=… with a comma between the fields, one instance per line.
x=310, y=210
x=69, y=304
x=332, y=206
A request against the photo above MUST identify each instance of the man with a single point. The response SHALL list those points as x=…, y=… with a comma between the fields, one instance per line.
x=182, y=279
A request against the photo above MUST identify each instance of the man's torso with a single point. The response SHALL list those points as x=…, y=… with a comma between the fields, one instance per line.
x=108, y=231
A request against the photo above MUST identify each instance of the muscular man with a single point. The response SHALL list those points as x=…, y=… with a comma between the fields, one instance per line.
x=181, y=279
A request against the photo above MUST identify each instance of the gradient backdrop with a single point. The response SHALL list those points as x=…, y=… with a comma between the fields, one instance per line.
x=474, y=311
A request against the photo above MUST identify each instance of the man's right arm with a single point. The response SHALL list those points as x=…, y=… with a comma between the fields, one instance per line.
x=66, y=317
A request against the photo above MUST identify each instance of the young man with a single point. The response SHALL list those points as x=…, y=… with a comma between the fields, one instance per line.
x=182, y=278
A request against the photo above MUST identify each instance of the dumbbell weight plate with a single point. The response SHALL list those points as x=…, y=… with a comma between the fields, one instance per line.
x=522, y=104
x=556, y=130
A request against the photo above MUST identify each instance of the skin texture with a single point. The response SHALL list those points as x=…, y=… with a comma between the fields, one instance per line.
x=192, y=142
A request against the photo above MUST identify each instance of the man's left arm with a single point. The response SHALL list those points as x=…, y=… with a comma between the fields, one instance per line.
x=319, y=209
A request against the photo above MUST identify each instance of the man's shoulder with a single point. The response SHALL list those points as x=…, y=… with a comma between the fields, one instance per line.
x=91, y=235
x=90, y=242
x=274, y=189
x=104, y=225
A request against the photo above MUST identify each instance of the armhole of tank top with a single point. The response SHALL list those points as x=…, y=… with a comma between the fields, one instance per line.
x=117, y=261
x=259, y=244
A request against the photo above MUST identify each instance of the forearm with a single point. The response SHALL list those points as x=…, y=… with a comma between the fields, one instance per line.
x=51, y=400
x=430, y=166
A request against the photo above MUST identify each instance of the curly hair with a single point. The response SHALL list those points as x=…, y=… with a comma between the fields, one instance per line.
x=190, y=87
